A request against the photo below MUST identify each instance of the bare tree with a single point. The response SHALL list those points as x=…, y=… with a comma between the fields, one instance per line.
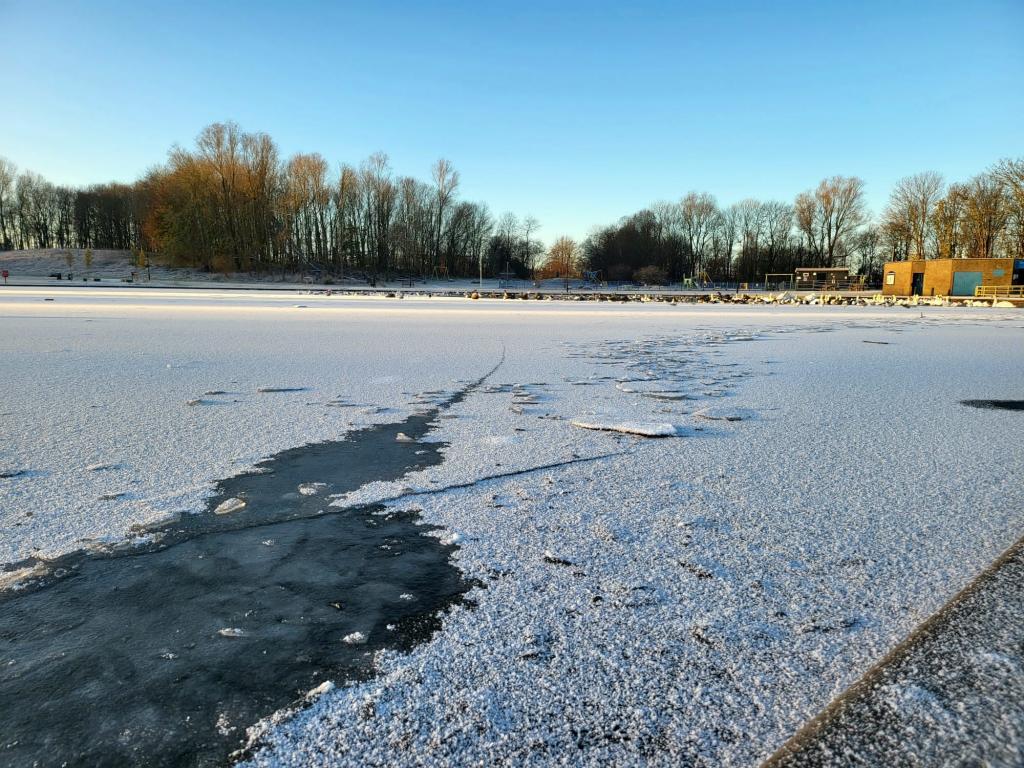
x=723, y=240
x=867, y=246
x=219, y=148
x=446, y=180
x=829, y=215
x=1010, y=174
x=8, y=174
x=379, y=196
x=698, y=214
x=948, y=222
x=528, y=227
x=985, y=214
x=911, y=208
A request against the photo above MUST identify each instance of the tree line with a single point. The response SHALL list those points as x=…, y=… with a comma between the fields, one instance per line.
x=827, y=226
x=37, y=214
x=231, y=203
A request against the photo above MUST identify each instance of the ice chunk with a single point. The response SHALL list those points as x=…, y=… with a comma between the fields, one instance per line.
x=355, y=638
x=325, y=687
x=228, y=506
x=644, y=429
x=14, y=579
x=231, y=632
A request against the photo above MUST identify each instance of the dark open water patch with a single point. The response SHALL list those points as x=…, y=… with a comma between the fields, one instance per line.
x=119, y=657
x=1002, y=405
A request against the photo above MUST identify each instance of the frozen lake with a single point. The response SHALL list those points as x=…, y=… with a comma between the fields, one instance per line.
x=695, y=596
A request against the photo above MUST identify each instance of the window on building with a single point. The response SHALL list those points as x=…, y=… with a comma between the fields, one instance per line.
x=890, y=278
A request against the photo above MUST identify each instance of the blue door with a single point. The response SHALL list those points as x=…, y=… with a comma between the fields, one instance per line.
x=964, y=283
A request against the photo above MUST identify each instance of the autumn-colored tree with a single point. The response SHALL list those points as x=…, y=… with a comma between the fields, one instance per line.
x=948, y=222
x=985, y=215
x=562, y=259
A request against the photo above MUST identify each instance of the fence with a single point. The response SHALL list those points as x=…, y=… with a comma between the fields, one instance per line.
x=992, y=291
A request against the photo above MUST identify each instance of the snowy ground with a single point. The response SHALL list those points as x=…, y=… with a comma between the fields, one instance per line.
x=689, y=597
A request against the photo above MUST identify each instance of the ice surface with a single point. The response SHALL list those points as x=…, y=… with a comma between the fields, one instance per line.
x=642, y=601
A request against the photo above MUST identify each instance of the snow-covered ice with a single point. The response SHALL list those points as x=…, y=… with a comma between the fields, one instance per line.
x=642, y=601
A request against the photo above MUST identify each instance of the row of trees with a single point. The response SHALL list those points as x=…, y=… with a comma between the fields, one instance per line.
x=37, y=214
x=926, y=219
x=827, y=226
x=231, y=203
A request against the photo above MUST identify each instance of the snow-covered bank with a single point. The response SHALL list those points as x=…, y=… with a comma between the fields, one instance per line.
x=646, y=600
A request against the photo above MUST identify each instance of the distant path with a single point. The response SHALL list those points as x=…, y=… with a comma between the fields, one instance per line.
x=950, y=694
x=461, y=288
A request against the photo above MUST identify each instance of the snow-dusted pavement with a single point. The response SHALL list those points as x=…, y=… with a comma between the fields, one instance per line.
x=694, y=596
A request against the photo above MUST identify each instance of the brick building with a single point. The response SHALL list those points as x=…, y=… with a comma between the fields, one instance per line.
x=949, y=277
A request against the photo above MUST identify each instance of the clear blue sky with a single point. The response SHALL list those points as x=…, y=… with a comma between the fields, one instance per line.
x=576, y=112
